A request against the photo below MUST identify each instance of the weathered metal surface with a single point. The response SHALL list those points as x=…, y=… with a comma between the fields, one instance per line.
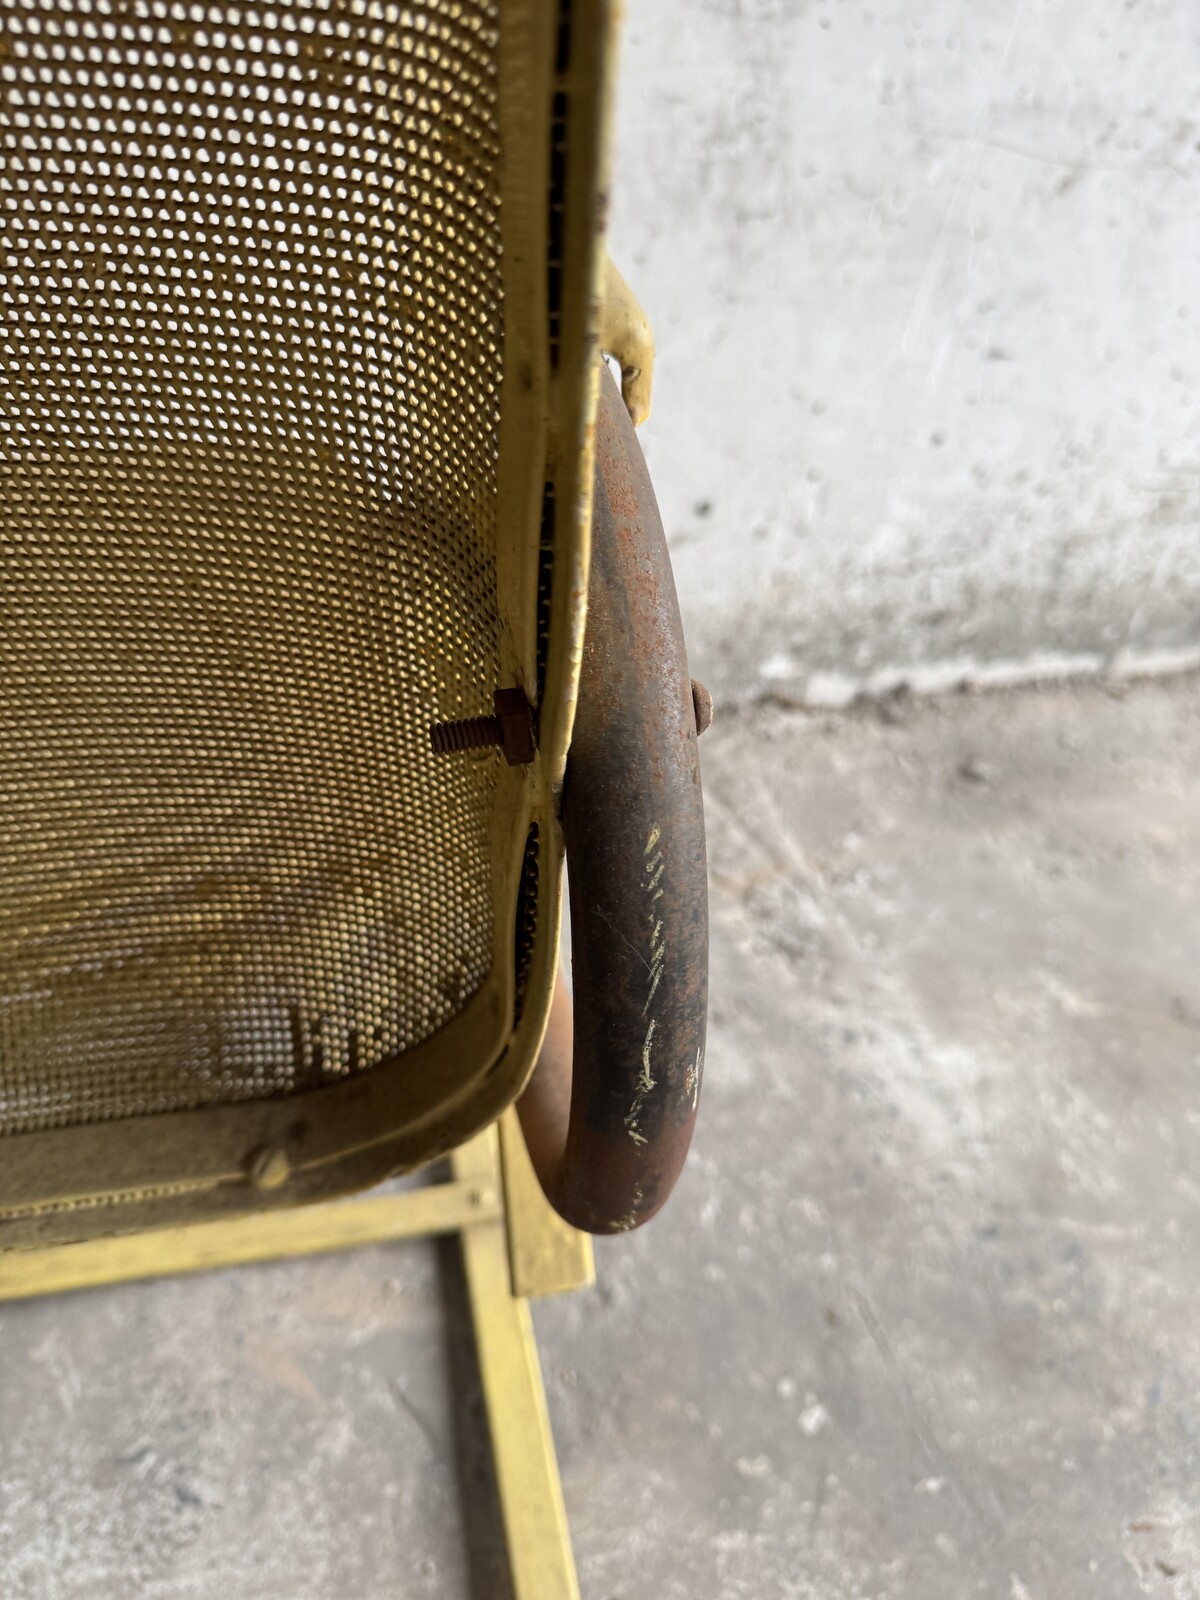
x=609, y=1153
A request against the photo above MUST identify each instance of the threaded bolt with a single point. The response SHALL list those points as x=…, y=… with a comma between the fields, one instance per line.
x=472, y=733
x=511, y=730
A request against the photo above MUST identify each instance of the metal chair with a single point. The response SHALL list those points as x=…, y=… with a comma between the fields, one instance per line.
x=314, y=658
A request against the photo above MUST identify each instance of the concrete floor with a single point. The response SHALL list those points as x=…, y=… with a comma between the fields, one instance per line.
x=923, y=1320
x=923, y=286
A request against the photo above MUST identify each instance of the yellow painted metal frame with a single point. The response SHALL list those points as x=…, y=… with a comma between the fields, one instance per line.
x=514, y=1248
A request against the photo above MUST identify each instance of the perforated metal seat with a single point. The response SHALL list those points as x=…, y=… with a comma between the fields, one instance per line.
x=297, y=373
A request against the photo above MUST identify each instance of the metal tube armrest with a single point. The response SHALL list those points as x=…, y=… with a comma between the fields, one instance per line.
x=608, y=1121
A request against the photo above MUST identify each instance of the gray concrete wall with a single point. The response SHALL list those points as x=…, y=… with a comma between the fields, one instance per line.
x=923, y=276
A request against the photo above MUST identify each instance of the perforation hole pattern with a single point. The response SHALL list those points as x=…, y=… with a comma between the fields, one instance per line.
x=250, y=336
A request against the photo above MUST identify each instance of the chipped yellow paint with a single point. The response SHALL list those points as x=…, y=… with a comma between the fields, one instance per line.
x=658, y=956
x=691, y=1082
x=655, y=980
x=630, y=1219
x=646, y=1082
x=655, y=868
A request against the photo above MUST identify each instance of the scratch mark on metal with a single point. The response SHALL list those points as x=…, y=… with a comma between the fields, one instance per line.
x=646, y=1083
x=691, y=1082
x=633, y=950
x=658, y=972
x=629, y=1220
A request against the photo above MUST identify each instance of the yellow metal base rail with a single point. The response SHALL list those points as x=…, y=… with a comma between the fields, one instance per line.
x=514, y=1248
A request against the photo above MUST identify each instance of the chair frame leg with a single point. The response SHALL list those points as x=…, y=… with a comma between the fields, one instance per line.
x=514, y=1246
x=531, y=1500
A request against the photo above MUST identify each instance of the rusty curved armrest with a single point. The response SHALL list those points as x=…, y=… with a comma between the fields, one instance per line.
x=608, y=1120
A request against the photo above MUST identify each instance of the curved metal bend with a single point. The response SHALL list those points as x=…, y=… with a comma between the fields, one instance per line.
x=609, y=1130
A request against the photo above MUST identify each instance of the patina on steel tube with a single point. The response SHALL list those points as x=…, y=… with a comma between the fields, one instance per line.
x=608, y=1119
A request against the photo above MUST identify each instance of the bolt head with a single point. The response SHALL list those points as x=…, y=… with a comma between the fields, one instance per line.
x=268, y=1167
x=702, y=707
x=518, y=737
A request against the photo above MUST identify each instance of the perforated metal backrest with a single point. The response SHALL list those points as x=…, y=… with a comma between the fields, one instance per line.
x=253, y=327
